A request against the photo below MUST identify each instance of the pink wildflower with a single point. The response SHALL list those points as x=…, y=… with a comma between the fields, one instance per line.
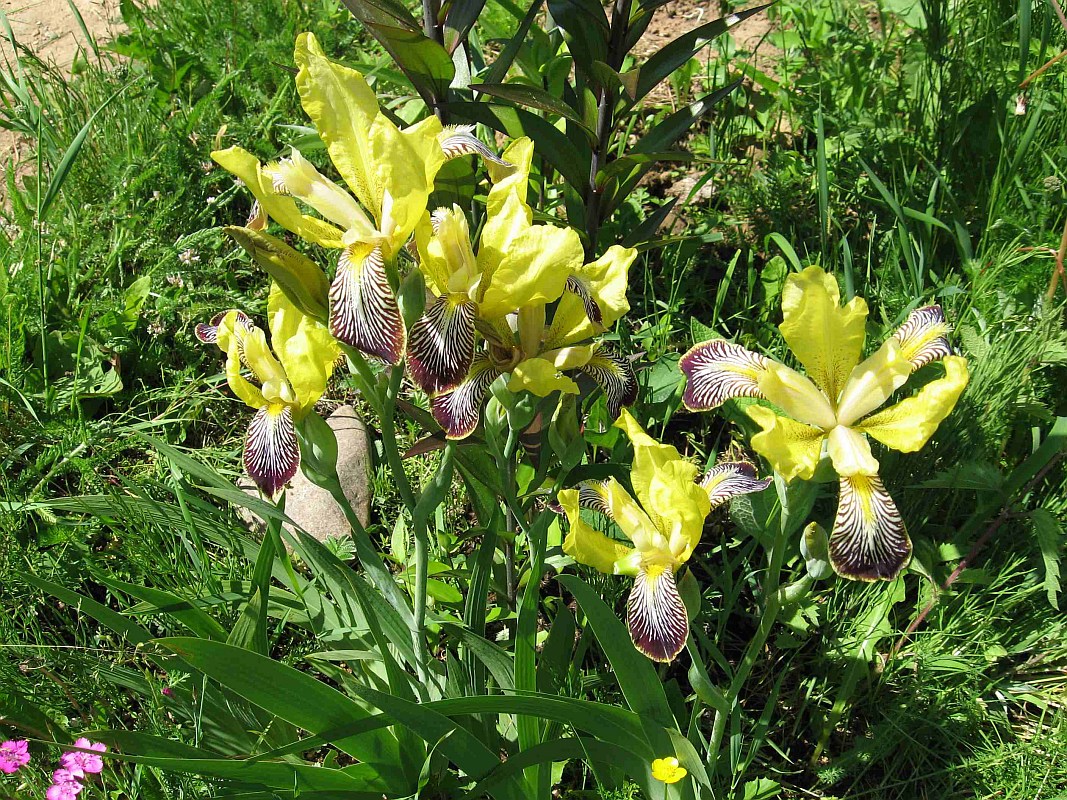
x=64, y=786
x=13, y=754
x=80, y=764
x=167, y=691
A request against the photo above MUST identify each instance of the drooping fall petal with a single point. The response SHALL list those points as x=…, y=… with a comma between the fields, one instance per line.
x=208, y=332
x=459, y=140
x=459, y=410
x=923, y=336
x=824, y=336
x=615, y=375
x=869, y=541
x=441, y=344
x=271, y=452
x=717, y=371
x=908, y=425
x=656, y=615
x=731, y=479
x=363, y=309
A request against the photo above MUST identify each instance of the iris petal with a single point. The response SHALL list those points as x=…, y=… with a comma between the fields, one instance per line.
x=584, y=544
x=922, y=338
x=656, y=615
x=869, y=541
x=363, y=309
x=718, y=371
x=458, y=411
x=615, y=375
x=825, y=337
x=872, y=382
x=728, y=480
x=909, y=424
x=796, y=395
x=793, y=448
x=441, y=344
x=271, y=452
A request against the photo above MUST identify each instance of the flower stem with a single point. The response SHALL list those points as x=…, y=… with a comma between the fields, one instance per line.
x=389, y=441
x=772, y=605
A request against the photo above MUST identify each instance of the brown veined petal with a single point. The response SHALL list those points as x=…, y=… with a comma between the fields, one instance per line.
x=363, y=308
x=869, y=541
x=441, y=344
x=731, y=479
x=656, y=615
x=458, y=140
x=208, y=332
x=271, y=453
x=577, y=287
x=458, y=411
x=717, y=371
x=923, y=336
x=592, y=495
x=615, y=375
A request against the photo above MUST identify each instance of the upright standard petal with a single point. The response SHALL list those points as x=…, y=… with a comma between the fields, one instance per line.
x=595, y=298
x=650, y=456
x=441, y=344
x=908, y=425
x=656, y=615
x=793, y=448
x=824, y=336
x=717, y=371
x=271, y=452
x=923, y=336
x=306, y=349
x=342, y=106
x=678, y=505
x=731, y=479
x=869, y=541
x=584, y=544
x=459, y=410
x=872, y=382
x=615, y=375
x=513, y=179
x=364, y=312
x=534, y=269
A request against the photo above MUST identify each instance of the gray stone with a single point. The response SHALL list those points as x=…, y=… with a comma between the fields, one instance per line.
x=311, y=507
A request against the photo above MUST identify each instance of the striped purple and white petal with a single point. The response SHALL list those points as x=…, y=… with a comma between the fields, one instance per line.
x=615, y=375
x=731, y=479
x=869, y=541
x=208, y=332
x=717, y=371
x=577, y=287
x=656, y=615
x=271, y=451
x=459, y=410
x=364, y=312
x=924, y=336
x=441, y=344
x=459, y=140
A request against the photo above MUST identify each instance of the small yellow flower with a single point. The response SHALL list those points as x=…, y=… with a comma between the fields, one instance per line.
x=668, y=770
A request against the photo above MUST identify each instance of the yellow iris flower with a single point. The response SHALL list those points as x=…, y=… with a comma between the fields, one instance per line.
x=833, y=406
x=291, y=381
x=664, y=524
x=503, y=291
x=389, y=174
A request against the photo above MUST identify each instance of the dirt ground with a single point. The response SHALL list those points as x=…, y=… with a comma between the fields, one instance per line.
x=50, y=29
